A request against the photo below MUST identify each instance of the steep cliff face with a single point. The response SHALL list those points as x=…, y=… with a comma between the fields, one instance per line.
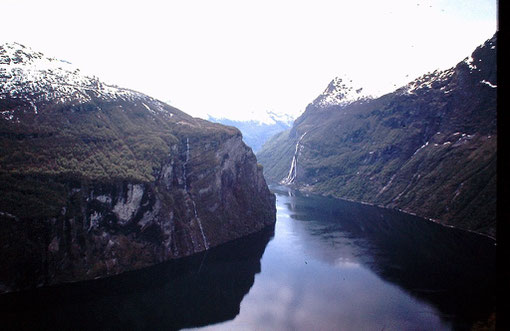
x=98, y=180
x=429, y=148
x=202, y=289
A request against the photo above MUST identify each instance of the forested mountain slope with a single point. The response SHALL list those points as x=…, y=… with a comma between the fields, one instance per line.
x=97, y=179
x=428, y=148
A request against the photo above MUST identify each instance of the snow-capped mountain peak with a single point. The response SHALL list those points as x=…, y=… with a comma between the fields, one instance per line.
x=267, y=117
x=474, y=65
x=341, y=91
x=17, y=54
x=435, y=79
x=270, y=117
x=31, y=76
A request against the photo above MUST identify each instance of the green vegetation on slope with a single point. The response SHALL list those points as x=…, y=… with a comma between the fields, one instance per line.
x=428, y=148
x=44, y=156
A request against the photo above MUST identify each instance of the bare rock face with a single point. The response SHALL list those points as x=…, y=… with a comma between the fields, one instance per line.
x=98, y=180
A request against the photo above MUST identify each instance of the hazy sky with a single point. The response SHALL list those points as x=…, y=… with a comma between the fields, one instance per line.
x=233, y=58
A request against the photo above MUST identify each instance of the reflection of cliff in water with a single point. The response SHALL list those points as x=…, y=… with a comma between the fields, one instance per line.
x=452, y=269
x=202, y=289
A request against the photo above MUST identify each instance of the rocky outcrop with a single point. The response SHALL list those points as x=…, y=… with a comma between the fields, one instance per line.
x=113, y=180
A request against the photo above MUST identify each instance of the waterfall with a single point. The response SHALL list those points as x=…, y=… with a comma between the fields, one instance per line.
x=291, y=177
x=184, y=174
x=200, y=225
x=185, y=165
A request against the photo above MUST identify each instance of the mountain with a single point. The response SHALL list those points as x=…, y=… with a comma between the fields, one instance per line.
x=428, y=148
x=257, y=131
x=97, y=179
x=341, y=92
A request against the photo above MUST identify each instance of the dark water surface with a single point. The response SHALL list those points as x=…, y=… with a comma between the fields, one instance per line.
x=327, y=265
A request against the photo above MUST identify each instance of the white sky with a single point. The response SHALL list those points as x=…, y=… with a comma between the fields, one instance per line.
x=233, y=58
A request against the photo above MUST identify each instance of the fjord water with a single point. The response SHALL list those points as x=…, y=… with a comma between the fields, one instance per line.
x=327, y=265
x=338, y=265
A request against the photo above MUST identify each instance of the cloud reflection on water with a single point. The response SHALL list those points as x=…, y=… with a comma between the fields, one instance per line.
x=314, y=277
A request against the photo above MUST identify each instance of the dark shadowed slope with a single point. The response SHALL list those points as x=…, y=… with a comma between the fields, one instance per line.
x=97, y=179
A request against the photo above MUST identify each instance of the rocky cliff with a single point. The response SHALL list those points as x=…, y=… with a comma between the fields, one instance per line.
x=202, y=289
x=97, y=180
x=429, y=148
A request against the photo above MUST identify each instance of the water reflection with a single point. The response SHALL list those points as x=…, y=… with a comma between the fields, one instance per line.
x=332, y=265
x=203, y=289
x=451, y=269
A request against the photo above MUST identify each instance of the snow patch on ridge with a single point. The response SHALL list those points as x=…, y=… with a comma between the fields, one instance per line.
x=419, y=149
x=341, y=91
x=470, y=62
x=489, y=84
x=31, y=76
x=436, y=79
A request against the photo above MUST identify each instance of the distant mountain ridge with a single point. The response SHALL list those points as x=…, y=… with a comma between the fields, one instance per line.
x=428, y=148
x=257, y=130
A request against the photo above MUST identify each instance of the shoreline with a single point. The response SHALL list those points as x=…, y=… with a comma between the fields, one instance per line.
x=301, y=190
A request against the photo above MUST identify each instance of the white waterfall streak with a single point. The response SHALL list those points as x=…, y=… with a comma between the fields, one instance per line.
x=200, y=225
x=185, y=165
x=291, y=177
x=184, y=174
